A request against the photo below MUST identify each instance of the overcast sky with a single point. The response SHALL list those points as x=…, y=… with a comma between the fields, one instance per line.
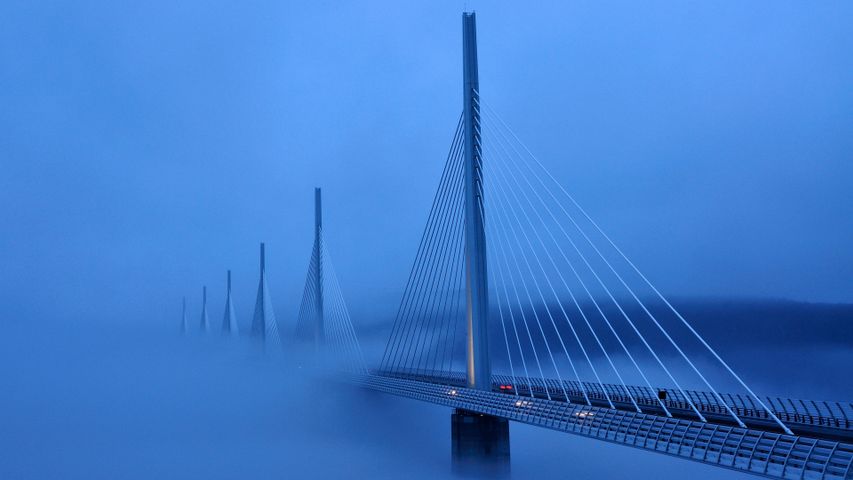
x=147, y=147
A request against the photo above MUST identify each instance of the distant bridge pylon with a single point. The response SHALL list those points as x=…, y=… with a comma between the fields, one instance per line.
x=229, y=319
x=204, y=323
x=323, y=319
x=264, y=326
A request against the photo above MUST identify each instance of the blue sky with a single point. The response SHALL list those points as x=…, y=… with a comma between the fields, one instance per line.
x=147, y=147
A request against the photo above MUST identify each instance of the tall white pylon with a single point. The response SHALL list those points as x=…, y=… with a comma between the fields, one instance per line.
x=205, y=322
x=479, y=370
x=229, y=320
x=264, y=327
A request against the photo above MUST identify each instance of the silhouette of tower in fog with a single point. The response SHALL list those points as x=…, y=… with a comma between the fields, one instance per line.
x=319, y=329
x=229, y=320
x=205, y=322
x=264, y=327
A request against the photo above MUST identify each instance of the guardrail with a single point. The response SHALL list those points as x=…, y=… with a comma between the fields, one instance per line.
x=747, y=450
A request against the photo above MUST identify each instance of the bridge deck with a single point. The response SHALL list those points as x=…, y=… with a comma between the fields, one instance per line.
x=830, y=420
x=748, y=450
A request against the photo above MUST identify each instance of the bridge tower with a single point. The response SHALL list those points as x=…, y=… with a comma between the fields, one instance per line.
x=480, y=443
x=476, y=283
x=264, y=326
x=319, y=329
x=229, y=320
x=204, y=324
x=259, y=323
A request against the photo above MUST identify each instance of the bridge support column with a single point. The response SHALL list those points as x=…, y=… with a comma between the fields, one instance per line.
x=480, y=444
x=479, y=370
x=319, y=328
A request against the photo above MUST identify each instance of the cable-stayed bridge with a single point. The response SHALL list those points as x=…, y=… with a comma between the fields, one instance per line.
x=520, y=307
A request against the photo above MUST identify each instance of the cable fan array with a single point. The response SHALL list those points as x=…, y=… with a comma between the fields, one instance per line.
x=323, y=304
x=568, y=307
x=427, y=331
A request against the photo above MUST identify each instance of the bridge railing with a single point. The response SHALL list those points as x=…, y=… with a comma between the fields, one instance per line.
x=833, y=415
x=754, y=451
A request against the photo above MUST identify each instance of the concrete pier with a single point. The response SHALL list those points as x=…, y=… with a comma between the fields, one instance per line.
x=480, y=444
